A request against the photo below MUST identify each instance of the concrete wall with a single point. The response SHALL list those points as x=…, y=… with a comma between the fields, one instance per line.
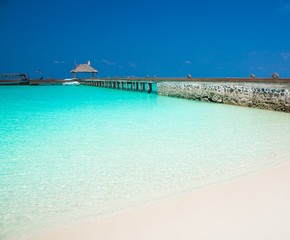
x=271, y=96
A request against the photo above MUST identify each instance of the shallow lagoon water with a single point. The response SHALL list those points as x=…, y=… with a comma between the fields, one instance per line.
x=73, y=153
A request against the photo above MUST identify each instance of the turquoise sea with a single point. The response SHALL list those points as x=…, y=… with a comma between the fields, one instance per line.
x=71, y=154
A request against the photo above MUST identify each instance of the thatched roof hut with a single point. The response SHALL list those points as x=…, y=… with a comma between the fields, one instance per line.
x=84, y=68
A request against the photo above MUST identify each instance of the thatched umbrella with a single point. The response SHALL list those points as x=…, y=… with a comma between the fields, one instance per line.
x=275, y=75
x=252, y=75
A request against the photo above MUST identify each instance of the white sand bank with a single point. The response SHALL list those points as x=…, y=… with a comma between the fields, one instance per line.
x=252, y=207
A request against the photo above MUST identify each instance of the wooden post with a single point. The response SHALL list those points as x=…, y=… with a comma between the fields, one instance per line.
x=149, y=87
x=137, y=86
x=141, y=87
x=132, y=86
x=127, y=86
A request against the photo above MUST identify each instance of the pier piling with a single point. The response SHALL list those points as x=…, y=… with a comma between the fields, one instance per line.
x=149, y=87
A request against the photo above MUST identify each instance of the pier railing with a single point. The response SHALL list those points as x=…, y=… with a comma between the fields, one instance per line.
x=179, y=79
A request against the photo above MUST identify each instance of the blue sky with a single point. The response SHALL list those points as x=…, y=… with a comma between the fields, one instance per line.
x=171, y=38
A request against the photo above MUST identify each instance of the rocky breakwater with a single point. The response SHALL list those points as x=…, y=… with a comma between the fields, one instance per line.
x=263, y=95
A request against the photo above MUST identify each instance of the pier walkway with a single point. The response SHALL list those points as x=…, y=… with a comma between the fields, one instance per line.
x=145, y=84
x=134, y=84
x=51, y=81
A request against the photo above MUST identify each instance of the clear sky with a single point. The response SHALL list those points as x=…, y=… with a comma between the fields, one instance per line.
x=171, y=38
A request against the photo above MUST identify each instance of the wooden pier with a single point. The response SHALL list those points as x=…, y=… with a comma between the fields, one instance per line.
x=133, y=84
x=50, y=81
x=145, y=84
x=127, y=83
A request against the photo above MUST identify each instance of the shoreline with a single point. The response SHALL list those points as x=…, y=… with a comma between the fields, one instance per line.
x=255, y=206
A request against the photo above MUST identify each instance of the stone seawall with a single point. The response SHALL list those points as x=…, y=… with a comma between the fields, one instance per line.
x=271, y=96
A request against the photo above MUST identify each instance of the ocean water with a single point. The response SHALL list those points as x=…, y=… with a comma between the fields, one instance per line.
x=69, y=154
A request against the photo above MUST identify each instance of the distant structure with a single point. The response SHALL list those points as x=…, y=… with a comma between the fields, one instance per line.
x=275, y=75
x=40, y=72
x=84, y=68
x=188, y=76
x=252, y=75
x=14, y=78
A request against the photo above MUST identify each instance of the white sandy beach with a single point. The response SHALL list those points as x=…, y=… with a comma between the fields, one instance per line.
x=255, y=207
